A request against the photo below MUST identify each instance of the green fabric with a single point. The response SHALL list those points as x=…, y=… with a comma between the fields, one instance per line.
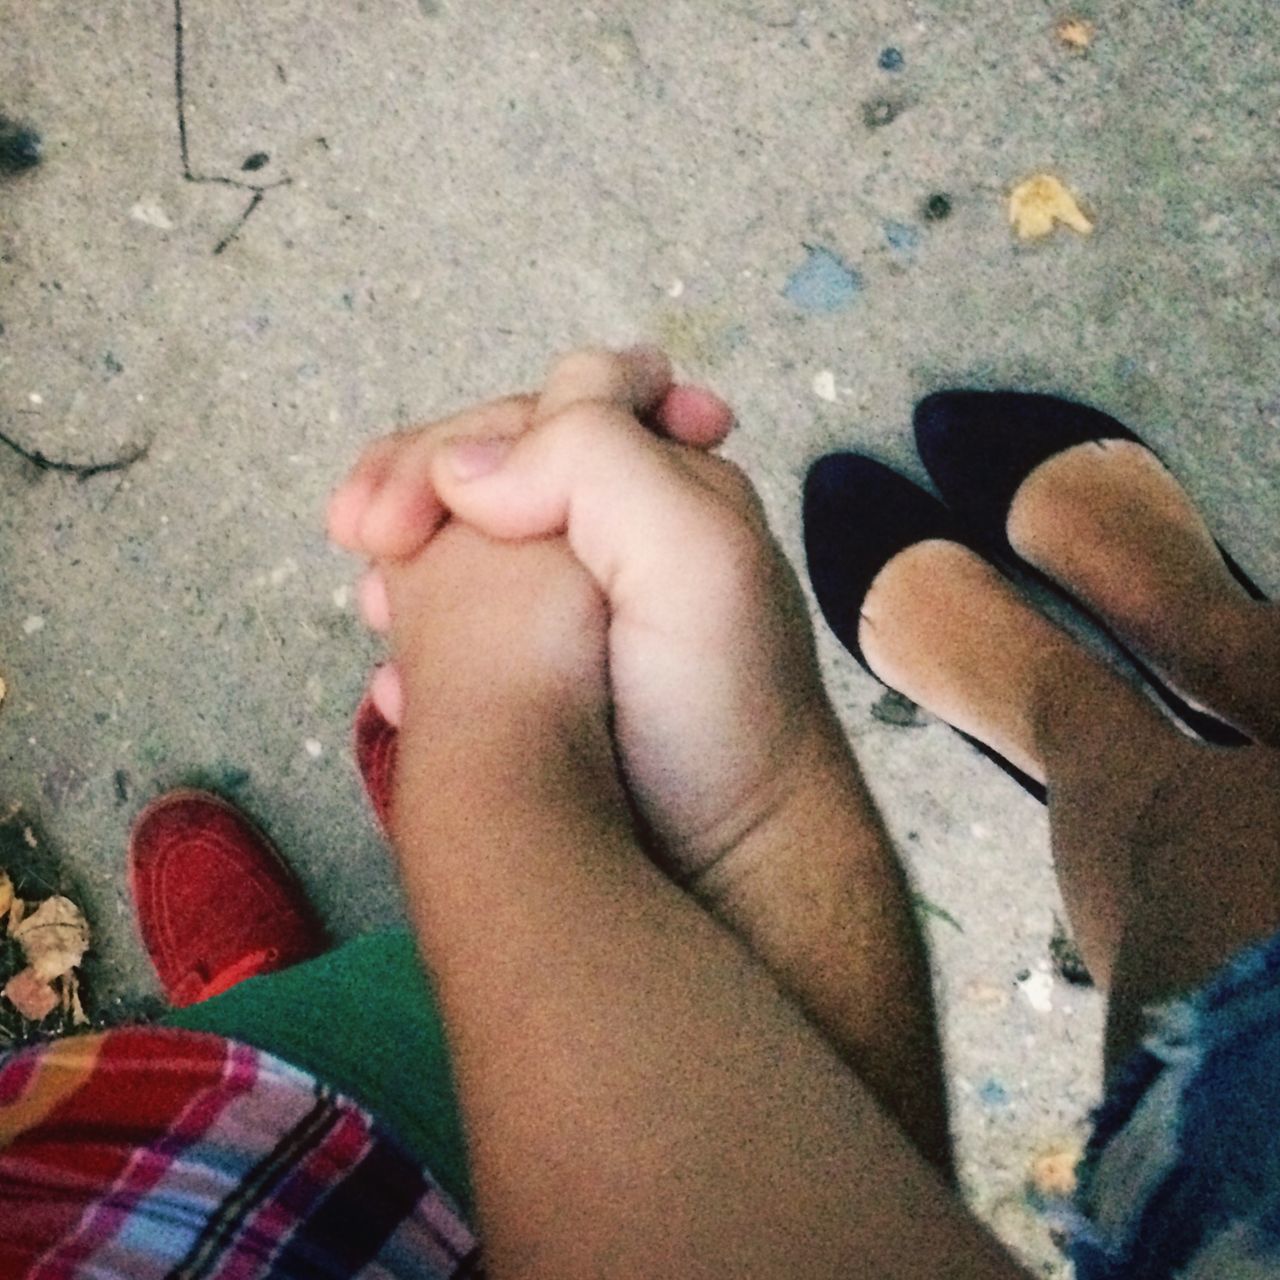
x=364, y=1020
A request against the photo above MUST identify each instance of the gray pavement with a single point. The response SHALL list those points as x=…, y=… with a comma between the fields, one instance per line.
x=440, y=195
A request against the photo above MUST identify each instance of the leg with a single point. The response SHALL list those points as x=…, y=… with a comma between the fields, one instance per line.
x=1109, y=523
x=237, y=947
x=1165, y=849
x=1198, y=828
x=363, y=1018
x=942, y=626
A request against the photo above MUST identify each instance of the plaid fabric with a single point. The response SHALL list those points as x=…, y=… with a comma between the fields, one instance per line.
x=148, y=1153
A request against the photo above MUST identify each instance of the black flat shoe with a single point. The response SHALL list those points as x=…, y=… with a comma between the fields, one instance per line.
x=979, y=446
x=858, y=514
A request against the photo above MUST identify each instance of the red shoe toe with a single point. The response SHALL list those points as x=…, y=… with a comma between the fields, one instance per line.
x=215, y=902
x=375, y=747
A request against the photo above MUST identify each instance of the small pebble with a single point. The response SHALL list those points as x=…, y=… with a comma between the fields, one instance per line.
x=937, y=207
x=314, y=748
x=19, y=147
x=824, y=385
x=891, y=59
x=1053, y=1170
x=676, y=289
x=36, y=398
x=880, y=112
x=283, y=571
x=255, y=161
x=894, y=709
x=341, y=597
x=33, y=624
x=1037, y=988
x=994, y=1094
x=152, y=215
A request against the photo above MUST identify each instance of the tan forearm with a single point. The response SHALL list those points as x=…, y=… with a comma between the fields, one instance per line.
x=640, y=1098
x=819, y=895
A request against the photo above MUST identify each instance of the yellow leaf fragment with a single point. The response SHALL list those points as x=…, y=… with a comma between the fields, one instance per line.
x=1076, y=33
x=54, y=938
x=1053, y=1170
x=6, y=894
x=1039, y=203
x=31, y=995
x=17, y=910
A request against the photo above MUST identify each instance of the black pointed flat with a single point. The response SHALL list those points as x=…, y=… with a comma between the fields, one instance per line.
x=858, y=514
x=979, y=446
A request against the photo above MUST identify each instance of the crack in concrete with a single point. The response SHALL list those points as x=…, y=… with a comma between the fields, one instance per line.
x=258, y=189
x=81, y=470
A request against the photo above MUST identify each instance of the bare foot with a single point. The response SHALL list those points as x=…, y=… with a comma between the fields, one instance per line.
x=1109, y=523
x=943, y=627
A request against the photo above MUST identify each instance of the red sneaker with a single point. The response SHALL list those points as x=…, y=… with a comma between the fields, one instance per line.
x=375, y=748
x=215, y=902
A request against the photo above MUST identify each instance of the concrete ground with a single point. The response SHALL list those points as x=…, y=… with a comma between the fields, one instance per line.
x=444, y=194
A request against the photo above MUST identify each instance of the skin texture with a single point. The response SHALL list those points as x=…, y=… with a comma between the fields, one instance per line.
x=683, y=1115
x=626, y=688
x=1165, y=848
x=1109, y=521
x=641, y=1098
x=729, y=749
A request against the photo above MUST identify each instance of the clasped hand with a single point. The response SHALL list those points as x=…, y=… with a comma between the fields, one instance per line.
x=579, y=554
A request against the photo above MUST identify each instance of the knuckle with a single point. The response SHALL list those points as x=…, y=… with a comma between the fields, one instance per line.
x=733, y=485
x=578, y=424
x=377, y=452
x=586, y=363
x=734, y=478
x=741, y=550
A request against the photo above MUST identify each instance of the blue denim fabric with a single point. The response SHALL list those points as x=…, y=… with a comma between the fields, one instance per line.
x=1182, y=1174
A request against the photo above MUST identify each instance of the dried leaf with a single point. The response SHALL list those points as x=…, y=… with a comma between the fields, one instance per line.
x=1076, y=33
x=3, y=689
x=54, y=938
x=16, y=911
x=31, y=995
x=1053, y=1170
x=6, y=894
x=1037, y=204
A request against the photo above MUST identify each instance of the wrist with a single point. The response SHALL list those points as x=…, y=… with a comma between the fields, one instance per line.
x=816, y=812
x=470, y=769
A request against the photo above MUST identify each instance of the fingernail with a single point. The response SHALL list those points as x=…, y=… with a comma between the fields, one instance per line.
x=388, y=693
x=470, y=459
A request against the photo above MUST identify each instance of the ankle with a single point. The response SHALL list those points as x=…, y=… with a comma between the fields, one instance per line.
x=1079, y=710
x=820, y=791
x=1241, y=668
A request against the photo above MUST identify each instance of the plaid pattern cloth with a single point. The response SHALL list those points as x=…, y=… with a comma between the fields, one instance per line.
x=147, y=1153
